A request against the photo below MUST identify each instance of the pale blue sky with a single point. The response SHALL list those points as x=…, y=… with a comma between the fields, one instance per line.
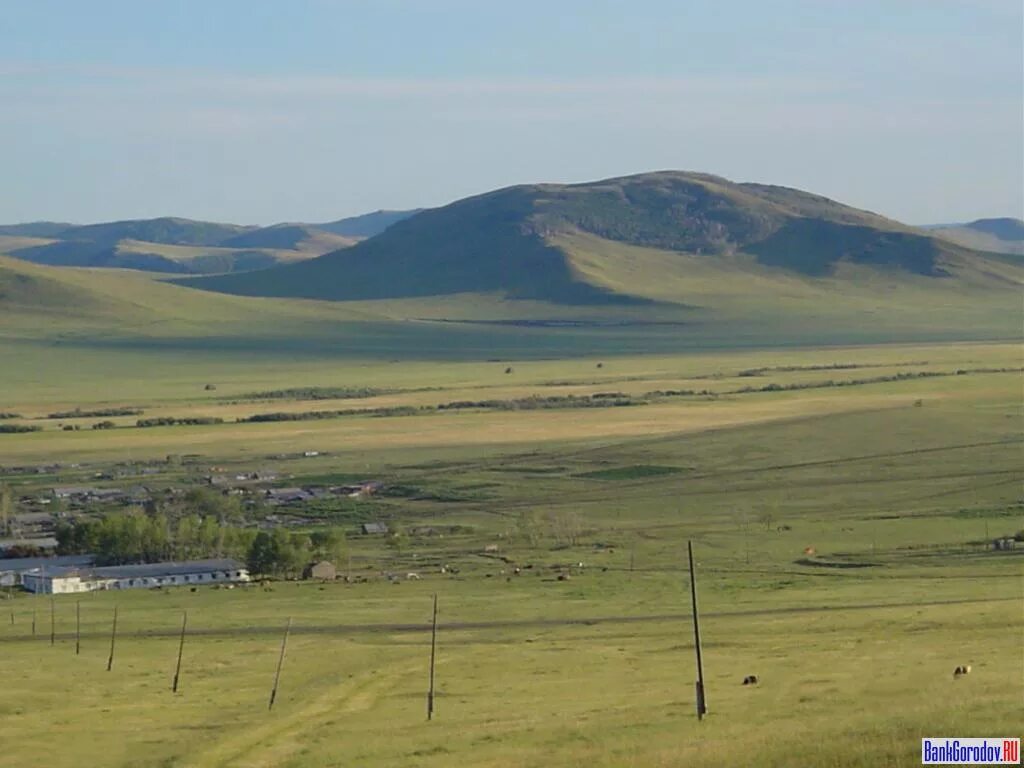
x=257, y=111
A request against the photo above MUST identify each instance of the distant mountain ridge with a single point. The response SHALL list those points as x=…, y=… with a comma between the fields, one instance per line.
x=1003, y=228
x=183, y=246
x=167, y=230
x=510, y=241
x=367, y=225
x=999, y=235
x=35, y=229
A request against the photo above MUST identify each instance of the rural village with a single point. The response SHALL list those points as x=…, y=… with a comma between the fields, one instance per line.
x=408, y=384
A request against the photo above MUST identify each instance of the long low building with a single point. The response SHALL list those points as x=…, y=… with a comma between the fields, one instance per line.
x=11, y=569
x=65, y=580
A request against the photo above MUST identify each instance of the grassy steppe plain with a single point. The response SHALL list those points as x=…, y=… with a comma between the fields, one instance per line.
x=854, y=645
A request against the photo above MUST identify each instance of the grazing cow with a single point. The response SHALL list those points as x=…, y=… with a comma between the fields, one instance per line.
x=750, y=680
x=963, y=670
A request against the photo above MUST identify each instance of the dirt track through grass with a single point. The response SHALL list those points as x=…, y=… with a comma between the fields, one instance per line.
x=355, y=629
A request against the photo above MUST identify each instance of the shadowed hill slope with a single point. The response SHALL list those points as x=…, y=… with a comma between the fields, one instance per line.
x=51, y=302
x=476, y=245
x=503, y=241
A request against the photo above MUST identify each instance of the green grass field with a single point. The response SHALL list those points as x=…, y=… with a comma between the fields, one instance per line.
x=897, y=487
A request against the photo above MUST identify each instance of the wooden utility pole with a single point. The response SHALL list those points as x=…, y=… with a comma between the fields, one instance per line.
x=181, y=648
x=78, y=627
x=433, y=652
x=280, y=663
x=113, y=636
x=702, y=707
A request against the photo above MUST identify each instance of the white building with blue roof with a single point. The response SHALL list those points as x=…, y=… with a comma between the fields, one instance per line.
x=60, y=580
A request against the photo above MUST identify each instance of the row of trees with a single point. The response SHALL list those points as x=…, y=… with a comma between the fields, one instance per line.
x=204, y=524
x=6, y=509
x=138, y=537
x=283, y=553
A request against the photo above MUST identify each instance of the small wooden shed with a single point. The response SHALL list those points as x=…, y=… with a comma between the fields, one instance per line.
x=324, y=570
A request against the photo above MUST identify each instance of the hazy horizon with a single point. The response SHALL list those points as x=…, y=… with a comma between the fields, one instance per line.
x=239, y=113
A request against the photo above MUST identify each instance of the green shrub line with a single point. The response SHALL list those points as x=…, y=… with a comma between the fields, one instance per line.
x=599, y=400
x=874, y=380
x=170, y=421
x=78, y=413
x=400, y=410
x=317, y=393
x=531, y=403
x=825, y=367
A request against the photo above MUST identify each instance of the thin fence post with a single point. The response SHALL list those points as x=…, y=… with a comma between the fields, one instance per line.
x=701, y=700
x=433, y=653
x=33, y=622
x=113, y=636
x=53, y=611
x=280, y=663
x=181, y=648
x=78, y=627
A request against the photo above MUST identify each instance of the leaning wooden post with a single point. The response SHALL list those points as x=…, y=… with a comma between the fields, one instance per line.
x=433, y=652
x=181, y=648
x=113, y=636
x=53, y=611
x=280, y=663
x=78, y=627
x=702, y=707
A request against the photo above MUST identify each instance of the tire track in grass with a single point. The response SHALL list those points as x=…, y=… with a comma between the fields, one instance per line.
x=272, y=742
x=355, y=629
